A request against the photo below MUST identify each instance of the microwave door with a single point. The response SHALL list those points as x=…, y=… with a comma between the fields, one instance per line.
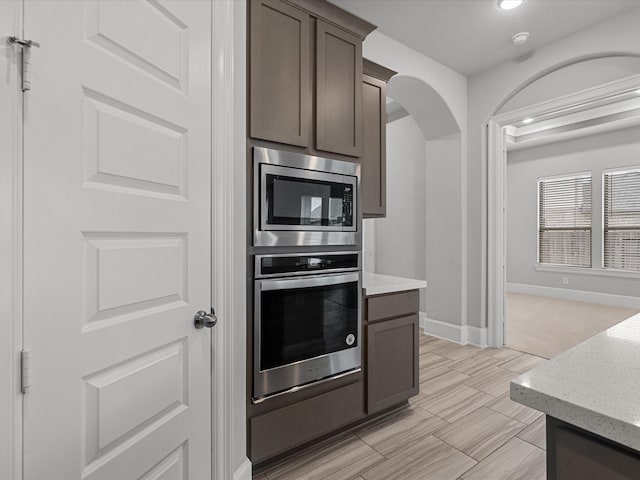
x=297, y=199
x=304, y=200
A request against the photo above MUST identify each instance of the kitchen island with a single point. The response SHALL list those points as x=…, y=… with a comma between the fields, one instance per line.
x=591, y=397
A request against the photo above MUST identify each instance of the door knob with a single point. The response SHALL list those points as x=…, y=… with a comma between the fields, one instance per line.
x=204, y=319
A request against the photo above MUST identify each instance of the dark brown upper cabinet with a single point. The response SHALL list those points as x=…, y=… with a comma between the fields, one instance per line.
x=338, y=91
x=305, y=75
x=373, y=180
x=280, y=95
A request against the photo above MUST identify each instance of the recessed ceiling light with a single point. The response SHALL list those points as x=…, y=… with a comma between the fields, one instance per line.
x=527, y=121
x=638, y=91
x=520, y=38
x=509, y=4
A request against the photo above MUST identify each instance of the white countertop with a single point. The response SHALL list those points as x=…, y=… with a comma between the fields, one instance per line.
x=376, y=284
x=595, y=385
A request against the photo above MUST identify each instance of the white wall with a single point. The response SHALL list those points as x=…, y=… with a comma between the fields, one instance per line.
x=369, y=245
x=449, y=84
x=444, y=230
x=574, y=78
x=451, y=87
x=421, y=237
x=487, y=93
x=400, y=238
x=595, y=153
x=489, y=90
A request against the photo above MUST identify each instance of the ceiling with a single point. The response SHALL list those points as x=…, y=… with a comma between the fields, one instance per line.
x=472, y=35
x=612, y=112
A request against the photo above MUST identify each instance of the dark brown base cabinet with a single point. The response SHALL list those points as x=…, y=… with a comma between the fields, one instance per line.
x=287, y=428
x=391, y=325
x=388, y=379
x=574, y=454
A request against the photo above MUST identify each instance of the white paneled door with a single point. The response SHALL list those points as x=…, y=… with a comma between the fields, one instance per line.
x=117, y=232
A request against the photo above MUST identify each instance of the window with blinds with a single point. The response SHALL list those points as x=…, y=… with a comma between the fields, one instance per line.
x=621, y=190
x=564, y=220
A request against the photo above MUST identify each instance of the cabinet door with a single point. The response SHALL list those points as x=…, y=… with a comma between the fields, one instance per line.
x=280, y=80
x=574, y=455
x=338, y=90
x=392, y=362
x=373, y=181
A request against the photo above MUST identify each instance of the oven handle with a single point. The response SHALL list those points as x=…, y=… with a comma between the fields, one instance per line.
x=306, y=282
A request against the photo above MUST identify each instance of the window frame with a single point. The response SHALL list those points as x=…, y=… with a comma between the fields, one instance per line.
x=573, y=175
x=613, y=270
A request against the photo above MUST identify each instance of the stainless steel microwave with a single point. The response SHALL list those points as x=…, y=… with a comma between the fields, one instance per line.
x=304, y=200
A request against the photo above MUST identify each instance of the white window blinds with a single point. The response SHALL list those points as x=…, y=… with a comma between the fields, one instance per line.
x=564, y=220
x=622, y=219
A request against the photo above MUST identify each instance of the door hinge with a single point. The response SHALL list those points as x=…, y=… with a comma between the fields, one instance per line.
x=25, y=54
x=25, y=373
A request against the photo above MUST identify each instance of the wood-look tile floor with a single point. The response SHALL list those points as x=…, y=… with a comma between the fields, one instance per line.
x=462, y=426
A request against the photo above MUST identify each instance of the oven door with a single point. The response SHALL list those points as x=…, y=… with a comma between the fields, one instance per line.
x=305, y=329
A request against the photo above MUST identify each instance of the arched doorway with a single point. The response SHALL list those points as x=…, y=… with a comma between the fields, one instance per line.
x=600, y=107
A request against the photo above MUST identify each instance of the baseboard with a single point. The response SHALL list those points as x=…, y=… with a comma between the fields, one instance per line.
x=243, y=472
x=447, y=331
x=576, y=295
x=477, y=336
x=462, y=334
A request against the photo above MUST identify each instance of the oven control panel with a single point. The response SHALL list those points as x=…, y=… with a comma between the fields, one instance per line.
x=305, y=264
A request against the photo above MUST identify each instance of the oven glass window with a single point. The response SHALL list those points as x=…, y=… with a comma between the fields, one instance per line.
x=303, y=323
x=301, y=201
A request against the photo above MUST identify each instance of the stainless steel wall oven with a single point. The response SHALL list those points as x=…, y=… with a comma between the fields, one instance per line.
x=307, y=324
x=304, y=200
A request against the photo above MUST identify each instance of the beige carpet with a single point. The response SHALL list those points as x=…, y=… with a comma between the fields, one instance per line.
x=546, y=326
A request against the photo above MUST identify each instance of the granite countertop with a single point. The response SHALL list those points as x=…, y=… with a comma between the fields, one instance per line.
x=594, y=385
x=377, y=284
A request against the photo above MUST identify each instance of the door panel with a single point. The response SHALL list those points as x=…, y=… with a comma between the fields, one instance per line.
x=115, y=132
x=117, y=240
x=161, y=52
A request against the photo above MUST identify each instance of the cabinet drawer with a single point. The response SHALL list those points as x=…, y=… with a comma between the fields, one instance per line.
x=392, y=305
x=281, y=430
